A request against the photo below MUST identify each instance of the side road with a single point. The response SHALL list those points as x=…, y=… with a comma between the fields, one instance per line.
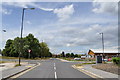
x=16, y=70
x=95, y=73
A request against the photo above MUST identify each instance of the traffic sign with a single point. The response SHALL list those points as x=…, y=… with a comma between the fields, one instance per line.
x=29, y=50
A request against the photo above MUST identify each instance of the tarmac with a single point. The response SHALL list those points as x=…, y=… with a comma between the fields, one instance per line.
x=87, y=69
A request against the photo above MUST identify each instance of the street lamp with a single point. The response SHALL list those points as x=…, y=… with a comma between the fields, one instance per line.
x=103, y=45
x=3, y=37
x=21, y=43
x=4, y=30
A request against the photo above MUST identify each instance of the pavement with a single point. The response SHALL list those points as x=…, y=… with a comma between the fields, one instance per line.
x=101, y=73
x=9, y=72
x=96, y=73
x=5, y=66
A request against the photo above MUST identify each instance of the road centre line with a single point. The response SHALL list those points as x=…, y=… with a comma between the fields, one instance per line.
x=54, y=64
x=55, y=75
x=55, y=71
x=54, y=68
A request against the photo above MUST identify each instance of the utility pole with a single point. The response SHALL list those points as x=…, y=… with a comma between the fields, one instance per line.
x=103, y=45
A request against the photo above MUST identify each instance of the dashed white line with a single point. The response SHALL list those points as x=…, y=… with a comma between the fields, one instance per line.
x=55, y=75
x=54, y=68
x=55, y=71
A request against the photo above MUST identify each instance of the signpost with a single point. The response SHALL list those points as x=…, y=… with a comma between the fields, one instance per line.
x=29, y=53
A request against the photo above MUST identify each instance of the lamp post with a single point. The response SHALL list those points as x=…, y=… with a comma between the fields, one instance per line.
x=103, y=45
x=3, y=37
x=21, y=43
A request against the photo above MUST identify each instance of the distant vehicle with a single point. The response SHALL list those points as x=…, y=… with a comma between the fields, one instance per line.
x=51, y=58
x=110, y=59
x=105, y=59
x=83, y=57
x=77, y=58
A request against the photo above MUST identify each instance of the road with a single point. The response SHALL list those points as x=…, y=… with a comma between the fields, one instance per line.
x=54, y=69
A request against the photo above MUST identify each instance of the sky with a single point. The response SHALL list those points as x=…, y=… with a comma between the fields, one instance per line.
x=64, y=26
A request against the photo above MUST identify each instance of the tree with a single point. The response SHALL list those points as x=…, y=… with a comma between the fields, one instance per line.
x=44, y=50
x=33, y=44
x=72, y=55
x=14, y=47
x=68, y=55
x=6, y=51
x=16, y=44
x=76, y=55
x=63, y=54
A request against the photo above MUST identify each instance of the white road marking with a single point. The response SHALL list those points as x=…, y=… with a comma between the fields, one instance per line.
x=54, y=68
x=55, y=71
x=55, y=75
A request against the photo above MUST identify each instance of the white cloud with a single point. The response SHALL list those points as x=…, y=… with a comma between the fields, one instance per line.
x=105, y=7
x=26, y=4
x=64, y=13
x=5, y=11
x=19, y=0
x=106, y=0
x=28, y=22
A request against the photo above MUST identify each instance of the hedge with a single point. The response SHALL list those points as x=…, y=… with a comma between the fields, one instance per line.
x=116, y=60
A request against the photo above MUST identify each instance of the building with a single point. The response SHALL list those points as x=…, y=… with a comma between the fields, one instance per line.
x=109, y=53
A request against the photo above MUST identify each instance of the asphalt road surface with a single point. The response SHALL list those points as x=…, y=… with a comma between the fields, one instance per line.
x=55, y=69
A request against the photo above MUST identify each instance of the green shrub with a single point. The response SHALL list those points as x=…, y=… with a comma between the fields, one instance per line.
x=116, y=60
x=17, y=65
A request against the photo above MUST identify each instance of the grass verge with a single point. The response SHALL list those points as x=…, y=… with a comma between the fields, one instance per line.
x=5, y=57
x=17, y=65
x=84, y=64
x=2, y=62
x=72, y=59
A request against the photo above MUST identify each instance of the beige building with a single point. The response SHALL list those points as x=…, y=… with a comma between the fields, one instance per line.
x=109, y=53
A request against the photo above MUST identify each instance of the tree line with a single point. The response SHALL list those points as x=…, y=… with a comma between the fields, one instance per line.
x=68, y=55
x=37, y=49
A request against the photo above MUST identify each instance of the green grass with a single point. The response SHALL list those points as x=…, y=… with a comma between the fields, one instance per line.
x=17, y=65
x=85, y=64
x=72, y=59
x=2, y=62
x=5, y=57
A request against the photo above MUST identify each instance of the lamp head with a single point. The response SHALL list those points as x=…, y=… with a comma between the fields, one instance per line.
x=29, y=8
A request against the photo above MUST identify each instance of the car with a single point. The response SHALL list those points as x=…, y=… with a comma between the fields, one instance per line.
x=104, y=59
x=77, y=58
x=109, y=59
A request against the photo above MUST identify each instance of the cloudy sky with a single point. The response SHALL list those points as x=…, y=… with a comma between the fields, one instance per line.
x=64, y=26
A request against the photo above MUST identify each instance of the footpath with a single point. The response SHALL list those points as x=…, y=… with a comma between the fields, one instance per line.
x=97, y=73
x=9, y=72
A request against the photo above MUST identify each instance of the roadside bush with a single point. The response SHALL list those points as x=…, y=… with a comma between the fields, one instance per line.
x=116, y=60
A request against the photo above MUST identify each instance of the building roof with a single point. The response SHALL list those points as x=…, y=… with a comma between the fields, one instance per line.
x=105, y=51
